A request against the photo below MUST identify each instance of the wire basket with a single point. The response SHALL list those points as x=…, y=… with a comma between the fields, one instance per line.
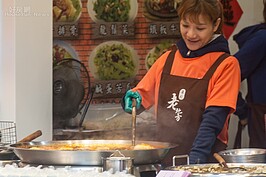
x=8, y=133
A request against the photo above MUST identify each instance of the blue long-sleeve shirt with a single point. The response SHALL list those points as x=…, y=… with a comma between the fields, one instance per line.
x=212, y=123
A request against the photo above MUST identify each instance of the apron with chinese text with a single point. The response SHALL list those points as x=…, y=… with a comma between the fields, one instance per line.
x=180, y=108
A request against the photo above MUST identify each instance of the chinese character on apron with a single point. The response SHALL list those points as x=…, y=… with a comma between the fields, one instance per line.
x=180, y=108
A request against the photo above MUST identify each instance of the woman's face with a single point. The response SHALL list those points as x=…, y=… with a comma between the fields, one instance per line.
x=197, y=35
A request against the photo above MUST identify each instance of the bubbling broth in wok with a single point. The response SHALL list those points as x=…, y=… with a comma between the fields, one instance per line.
x=90, y=147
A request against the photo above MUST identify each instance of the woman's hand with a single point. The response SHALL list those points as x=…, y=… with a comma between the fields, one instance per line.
x=128, y=100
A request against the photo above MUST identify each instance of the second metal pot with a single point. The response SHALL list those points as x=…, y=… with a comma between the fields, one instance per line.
x=244, y=155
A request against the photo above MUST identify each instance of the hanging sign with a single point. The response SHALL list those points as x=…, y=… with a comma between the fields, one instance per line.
x=232, y=14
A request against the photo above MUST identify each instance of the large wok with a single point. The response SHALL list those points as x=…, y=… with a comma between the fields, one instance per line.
x=88, y=158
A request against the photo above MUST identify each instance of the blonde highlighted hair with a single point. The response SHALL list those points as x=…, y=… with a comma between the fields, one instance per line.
x=211, y=9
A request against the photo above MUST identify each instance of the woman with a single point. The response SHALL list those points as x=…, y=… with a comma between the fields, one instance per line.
x=194, y=89
x=252, y=60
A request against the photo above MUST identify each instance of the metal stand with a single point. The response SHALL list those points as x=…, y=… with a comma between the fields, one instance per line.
x=8, y=133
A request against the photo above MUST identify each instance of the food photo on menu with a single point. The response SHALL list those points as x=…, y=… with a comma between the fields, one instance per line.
x=162, y=9
x=66, y=10
x=112, y=10
x=113, y=60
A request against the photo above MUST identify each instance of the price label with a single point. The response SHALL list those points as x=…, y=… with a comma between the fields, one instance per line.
x=170, y=173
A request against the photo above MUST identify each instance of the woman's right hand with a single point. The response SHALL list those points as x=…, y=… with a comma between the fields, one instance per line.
x=128, y=100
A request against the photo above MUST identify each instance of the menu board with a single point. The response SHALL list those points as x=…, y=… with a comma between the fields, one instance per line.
x=117, y=40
